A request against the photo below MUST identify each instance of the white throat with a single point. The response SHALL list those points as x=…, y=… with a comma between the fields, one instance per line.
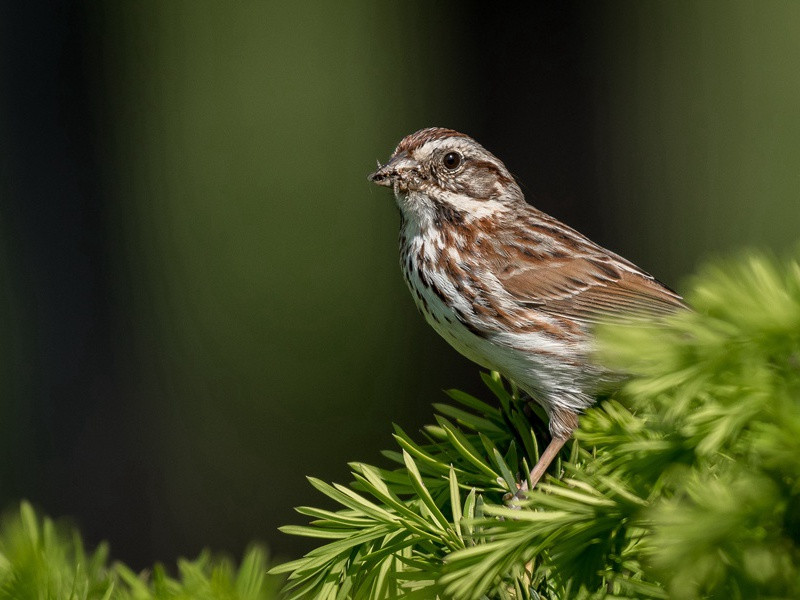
x=420, y=212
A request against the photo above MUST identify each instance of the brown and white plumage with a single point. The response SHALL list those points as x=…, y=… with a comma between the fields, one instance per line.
x=508, y=286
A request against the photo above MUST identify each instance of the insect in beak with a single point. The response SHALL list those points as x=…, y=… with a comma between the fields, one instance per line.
x=399, y=169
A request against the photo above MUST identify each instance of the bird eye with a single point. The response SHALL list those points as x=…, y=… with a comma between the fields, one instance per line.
x=452, y=160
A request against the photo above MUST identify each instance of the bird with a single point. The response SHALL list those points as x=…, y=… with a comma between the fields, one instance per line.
x=509, y=287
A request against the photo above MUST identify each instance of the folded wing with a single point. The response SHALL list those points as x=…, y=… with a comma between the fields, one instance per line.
x=589, y=289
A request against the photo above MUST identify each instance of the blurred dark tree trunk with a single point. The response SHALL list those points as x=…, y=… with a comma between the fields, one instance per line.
x=65, y=416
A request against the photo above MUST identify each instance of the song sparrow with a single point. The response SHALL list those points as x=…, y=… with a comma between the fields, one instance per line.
x=508, y=286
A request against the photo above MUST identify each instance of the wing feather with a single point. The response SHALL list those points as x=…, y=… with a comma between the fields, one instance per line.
x=588, y=288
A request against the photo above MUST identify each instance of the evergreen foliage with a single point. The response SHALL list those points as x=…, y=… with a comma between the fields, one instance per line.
x=44, y=560
x=684, y=484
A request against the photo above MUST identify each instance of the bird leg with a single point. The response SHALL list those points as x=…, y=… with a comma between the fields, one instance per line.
x=552, y=450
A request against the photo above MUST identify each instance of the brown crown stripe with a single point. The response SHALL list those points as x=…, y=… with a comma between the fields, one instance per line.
x=417, y=139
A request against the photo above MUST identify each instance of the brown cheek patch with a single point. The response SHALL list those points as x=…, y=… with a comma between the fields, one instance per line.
x=479, y=180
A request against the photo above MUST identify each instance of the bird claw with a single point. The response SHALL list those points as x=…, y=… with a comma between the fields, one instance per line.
x=513, y=500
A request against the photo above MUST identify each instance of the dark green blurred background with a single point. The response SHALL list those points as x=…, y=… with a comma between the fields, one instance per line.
x=200, y=301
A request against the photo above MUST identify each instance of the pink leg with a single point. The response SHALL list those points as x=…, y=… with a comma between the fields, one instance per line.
x=540, y=467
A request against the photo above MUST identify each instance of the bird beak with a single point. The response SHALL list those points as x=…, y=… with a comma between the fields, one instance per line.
x=395, y=171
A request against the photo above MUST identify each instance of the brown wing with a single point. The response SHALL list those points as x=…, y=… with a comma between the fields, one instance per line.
x=589, y=289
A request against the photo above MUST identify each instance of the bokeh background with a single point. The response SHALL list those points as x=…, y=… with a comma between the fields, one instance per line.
x=200, y=302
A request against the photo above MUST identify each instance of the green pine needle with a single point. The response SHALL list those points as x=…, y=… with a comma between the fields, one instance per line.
x=43, y=559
